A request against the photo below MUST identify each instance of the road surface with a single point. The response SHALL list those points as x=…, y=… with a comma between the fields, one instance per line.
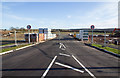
x=62, y=58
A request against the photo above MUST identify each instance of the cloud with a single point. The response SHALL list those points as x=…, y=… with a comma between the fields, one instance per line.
x=0, y=15
x=109, y=15
x=105, y=10
x=104, y=16
x=69, y=16
x=5, y=7
x=19, y=18
x=41, y=22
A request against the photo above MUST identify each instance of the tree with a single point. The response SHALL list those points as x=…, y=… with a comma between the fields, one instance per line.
x=12, y=28
x=22, y=29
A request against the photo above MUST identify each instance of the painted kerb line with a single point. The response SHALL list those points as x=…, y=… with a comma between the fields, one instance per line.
x=83, y=67
x=69, y=67
x=45, y=73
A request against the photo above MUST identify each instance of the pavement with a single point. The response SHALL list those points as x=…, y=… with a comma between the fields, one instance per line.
x=64, y=58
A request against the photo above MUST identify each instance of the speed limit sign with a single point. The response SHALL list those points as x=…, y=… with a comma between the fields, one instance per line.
x=92, y=27
x=28, y=27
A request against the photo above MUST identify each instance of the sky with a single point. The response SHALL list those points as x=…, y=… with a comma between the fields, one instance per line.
x=64, y=15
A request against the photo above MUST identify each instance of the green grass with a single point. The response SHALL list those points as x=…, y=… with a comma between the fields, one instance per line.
x=8, y=44
x=90, y=33
x=12, y=48
x=115, y=45
x=61, y=32
x=98, y=33
x=107, y=48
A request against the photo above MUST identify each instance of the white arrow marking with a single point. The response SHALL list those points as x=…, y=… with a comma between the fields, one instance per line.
x=62, y=45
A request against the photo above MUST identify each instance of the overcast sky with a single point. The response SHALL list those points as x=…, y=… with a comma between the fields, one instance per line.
x=60, y=14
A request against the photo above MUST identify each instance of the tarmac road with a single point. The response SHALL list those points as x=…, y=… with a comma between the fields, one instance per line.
x=64, y=58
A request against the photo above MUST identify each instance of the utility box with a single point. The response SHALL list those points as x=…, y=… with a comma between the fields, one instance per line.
x=41, y=37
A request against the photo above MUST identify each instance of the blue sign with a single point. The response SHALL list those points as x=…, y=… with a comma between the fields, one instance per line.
x=41, y=30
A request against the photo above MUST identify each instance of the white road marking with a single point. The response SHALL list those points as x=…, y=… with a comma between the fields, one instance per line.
x=45, y=73
x=69, y=67
x=61, y=44
x=17, y=49
x=83, y=66
x=64, y=54
x=62, y=49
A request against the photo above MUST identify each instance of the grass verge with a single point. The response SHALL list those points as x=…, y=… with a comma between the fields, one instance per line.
x=107, y=48
x=12, y=48
x=8, y=44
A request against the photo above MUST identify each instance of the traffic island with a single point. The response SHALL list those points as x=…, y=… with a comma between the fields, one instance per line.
x=108, y=50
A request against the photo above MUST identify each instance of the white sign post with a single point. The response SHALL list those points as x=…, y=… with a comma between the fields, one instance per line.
x=29, y=27
x=15, y=38
x=92, y=28
x=105, y=38
x=59, y=34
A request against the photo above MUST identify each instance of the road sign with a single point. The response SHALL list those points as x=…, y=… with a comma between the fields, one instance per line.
x=92, y=27
x=28, y=27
